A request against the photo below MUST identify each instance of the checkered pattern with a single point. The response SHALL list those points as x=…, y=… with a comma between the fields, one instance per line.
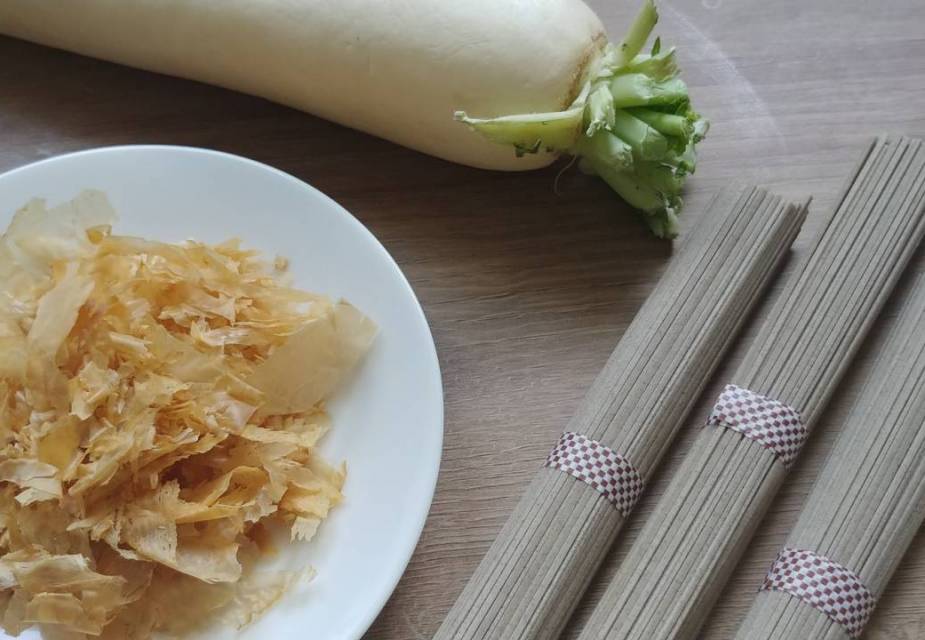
x=823, y=585
x=772, y=424
x=604, y=469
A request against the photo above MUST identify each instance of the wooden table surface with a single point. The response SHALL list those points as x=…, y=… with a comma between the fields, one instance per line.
x=527, y=290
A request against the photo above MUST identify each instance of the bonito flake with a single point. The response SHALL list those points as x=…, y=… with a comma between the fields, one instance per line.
x=160, y=406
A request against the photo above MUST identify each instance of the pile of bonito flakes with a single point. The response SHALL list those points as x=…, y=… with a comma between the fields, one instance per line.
x=160, y=405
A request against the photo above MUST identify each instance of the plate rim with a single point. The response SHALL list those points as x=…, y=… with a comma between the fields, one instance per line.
x=433, y=361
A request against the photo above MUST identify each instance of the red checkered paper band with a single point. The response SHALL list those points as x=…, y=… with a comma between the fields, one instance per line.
x=604, y=469
x=768, y=422
x=824, y=585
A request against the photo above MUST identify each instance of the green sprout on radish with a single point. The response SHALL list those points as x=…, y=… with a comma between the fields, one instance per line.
x=632, y=125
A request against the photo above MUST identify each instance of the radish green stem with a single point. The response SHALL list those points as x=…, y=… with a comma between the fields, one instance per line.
x=638, y=33
x=638, y=90
x=646, y=142
x=640, y=195
x=600, y=110
x=632, y=125
x=660, y=66
x=667, y=124
x=530, y=133
x=607, y=148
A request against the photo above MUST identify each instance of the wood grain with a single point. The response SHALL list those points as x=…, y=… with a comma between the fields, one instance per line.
x=527, y=291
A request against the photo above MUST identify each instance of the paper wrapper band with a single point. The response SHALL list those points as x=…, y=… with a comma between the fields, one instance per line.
x=824, y=585
x=771, y=423
x=600, y=467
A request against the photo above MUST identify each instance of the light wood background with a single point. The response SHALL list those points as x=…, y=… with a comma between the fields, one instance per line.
x=528, y=290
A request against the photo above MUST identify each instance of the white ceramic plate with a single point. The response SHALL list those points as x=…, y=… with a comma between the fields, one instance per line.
x=388, y=423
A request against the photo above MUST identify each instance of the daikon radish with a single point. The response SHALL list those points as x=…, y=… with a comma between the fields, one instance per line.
x=537, y=76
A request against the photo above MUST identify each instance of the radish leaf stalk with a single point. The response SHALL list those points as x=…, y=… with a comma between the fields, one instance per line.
x=632, y=124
